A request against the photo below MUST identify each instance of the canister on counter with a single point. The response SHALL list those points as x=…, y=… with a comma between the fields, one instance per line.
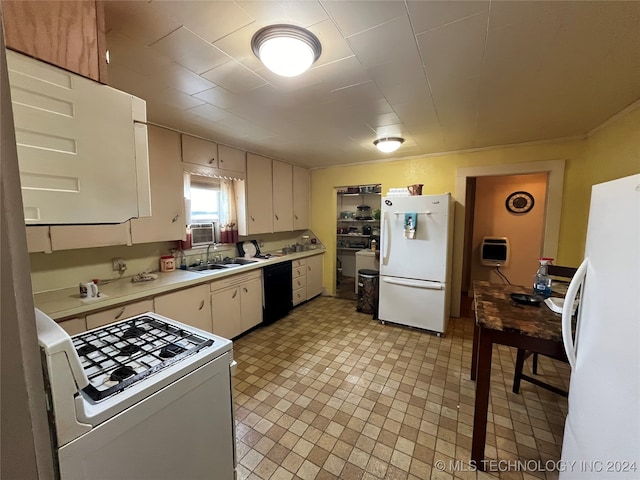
x=167, y=263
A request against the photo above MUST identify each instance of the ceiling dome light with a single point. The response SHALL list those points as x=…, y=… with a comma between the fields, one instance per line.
x=286, y=50
x=389, y=144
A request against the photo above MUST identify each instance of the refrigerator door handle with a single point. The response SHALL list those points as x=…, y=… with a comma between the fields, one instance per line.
x=406, y=282
x=385, y=238
x=567, y=312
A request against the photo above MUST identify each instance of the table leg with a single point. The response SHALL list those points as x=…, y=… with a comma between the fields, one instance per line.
x=483, y=382
x=474, y=351
x=517, y=375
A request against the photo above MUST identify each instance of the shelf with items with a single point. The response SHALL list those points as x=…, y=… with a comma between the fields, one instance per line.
x=372, y=220
x=353, y=235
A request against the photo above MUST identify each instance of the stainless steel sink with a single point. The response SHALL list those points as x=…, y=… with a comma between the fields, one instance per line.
x=228, y=263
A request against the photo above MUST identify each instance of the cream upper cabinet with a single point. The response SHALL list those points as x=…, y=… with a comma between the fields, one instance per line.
x=82, y=147
x=282, y=197
x=300, y=198
x=167, y=219
x=259, y=194
x=38, y=239
x=314, y=276
x=231, y=160
x=191, y=306
x=69, y=237
x=199, y=151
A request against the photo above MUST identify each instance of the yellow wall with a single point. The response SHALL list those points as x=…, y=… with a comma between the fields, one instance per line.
x=613, y=151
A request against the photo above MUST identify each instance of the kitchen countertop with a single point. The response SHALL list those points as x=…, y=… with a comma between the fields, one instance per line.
x=66, y=302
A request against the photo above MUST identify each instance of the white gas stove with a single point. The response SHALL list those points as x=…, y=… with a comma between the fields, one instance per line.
x=146, y=391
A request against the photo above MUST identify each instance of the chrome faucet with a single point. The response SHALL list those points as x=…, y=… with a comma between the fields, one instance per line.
x=208, y=247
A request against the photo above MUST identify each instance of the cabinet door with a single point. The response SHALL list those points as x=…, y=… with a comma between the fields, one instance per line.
x=300, y=198
x=199, y=151
x=67, y=34
x=167, y=218
x=226, y=312
x=251, y=305
x=82, y=157
x=38, y=239
x=106, y=317
x=190, y=306
x=231, y=159
x=89, y=236
x=314, y=276
x=259, y=195
x=282, y=197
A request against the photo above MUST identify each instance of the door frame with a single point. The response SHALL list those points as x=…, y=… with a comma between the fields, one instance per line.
x=553, y=208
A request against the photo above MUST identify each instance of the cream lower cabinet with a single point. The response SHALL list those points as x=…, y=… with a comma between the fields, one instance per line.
x=190, y=306
x=299, y=280
x=106, y=317
x=314, y=276
x=236, y=303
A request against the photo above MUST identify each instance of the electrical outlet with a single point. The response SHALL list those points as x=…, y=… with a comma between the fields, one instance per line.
x=118, y=264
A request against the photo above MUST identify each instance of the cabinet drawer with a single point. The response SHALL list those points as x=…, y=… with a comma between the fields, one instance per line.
x=299, y=282
x=298, y=263
x=298, y=272
x=235, y=280
x=96, y=320
x=74, y=326
x=299, y=295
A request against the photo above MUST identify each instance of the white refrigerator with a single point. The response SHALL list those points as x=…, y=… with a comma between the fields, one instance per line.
x=415, y=261
x=602, y=429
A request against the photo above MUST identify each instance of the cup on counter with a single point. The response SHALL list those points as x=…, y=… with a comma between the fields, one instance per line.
x=89, y=290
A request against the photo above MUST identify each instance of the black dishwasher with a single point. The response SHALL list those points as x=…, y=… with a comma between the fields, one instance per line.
x=278, y=297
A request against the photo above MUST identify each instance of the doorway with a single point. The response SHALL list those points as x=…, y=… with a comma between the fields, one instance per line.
x=551, y=226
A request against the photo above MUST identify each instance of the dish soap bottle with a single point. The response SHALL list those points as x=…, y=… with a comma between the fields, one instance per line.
x=542, y=281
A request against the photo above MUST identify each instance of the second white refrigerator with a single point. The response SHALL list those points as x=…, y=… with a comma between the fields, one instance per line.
x=415, y=261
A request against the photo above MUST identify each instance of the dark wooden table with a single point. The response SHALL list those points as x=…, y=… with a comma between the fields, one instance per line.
x=500, y=320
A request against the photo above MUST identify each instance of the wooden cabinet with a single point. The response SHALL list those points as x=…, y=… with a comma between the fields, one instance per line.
x=95, y=320
x=314, y=276
x=299, y=280
x=167, y=220
x=300, y=198
x=190, y=306
x=259, y=207
x=74, y=326
x=282, y=196
x=199, y=151
x=69, y=34
x=231, y=160
x=236, y=303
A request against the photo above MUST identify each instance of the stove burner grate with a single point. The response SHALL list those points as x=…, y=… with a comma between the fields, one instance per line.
x=128, y=351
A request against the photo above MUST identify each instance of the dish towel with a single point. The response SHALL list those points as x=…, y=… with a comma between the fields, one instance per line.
x=410, y=225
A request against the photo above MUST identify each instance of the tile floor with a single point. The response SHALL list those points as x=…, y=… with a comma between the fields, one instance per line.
x=329, y=393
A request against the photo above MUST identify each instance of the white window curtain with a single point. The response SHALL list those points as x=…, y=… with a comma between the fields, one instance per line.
x=228, y=212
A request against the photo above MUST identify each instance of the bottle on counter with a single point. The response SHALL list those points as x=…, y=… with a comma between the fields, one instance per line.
x=373, y=245
x=541, y=280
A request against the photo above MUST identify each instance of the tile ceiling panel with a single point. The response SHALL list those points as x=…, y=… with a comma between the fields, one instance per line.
x=428, y=15
x=353, y=17
x=444, y=75
x=234, y=76
x=211, y=20
x=189, y=50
